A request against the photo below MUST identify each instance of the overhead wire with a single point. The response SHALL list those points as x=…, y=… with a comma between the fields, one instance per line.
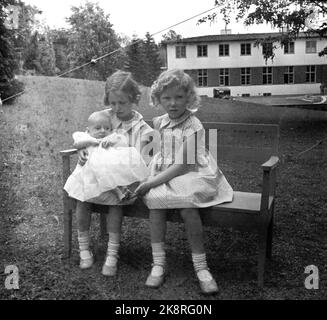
x=94, y=60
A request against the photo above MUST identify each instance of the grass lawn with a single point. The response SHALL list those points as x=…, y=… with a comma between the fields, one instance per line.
x=40, y=123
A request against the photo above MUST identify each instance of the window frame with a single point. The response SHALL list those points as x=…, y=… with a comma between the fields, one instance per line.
x=289, y=47
x=309, y=73
x=289, y=73
x=180, y=51
x=200, y=50
x=310, y=49
x=224, y=46
x=246, y=45
x=267, y=75
x=202, y=77
x=224, y=77
x=246, y=76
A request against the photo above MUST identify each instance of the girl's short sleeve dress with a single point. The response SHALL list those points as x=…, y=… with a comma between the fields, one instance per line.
x=204, y=184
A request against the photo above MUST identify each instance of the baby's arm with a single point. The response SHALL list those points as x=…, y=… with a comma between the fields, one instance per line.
x=83, y=140
x=114, y=140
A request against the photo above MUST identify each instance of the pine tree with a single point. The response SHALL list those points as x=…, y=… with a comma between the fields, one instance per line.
x=136, y=59
x=152, y=60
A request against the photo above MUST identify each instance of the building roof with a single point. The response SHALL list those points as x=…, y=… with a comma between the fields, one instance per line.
x=235, y=37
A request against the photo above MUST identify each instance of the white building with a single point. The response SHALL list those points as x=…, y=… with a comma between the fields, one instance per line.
x=233, y=62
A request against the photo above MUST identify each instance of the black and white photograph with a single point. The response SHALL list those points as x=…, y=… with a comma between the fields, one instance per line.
x=208, y=120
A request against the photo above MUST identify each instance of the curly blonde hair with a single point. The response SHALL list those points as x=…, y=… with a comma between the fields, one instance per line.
x=180, y=79
x=122, y=81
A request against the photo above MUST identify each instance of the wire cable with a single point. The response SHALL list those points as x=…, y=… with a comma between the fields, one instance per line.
x=93, y=61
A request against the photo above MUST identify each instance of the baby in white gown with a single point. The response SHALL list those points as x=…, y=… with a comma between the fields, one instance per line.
x=113, y=168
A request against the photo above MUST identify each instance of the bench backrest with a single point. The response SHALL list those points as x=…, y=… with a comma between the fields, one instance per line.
x=241, y=141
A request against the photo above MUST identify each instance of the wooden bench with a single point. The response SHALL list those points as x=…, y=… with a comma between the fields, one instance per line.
x=250, y=212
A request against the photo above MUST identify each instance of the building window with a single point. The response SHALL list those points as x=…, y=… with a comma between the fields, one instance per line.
x=267, y=48
x=267, y=75
x=311, y=46
x=245, y=76
x=224, y=77
x=223, y=50
x=289, y=75
x=289, y=47
x=203, y=78
x=180, y=52
x=245, y=49
x=310, y=74
x=203, y=51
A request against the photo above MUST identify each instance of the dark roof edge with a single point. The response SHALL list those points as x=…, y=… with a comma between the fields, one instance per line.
x=236, y=37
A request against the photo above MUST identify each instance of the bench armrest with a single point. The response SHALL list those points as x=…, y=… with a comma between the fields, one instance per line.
x=68, y=152
x=270, y=164
x=268, y=181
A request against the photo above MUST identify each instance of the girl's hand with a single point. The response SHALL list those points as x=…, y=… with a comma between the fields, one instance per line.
x=82, y=156
x=143, y=188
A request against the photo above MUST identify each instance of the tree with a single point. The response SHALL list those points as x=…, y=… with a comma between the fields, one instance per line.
x=40, y=54
x=152, y=60
x=92, y=36
x=136, y=59
x=8, y=85
x=60, y=39
x=26, y=27
x=143, y=59
x=290, y=16
x=171, y=35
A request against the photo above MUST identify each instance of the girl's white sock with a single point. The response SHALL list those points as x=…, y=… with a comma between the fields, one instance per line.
x=159, y=259
x=113, y=248
x=201, y=267
x=84, y=244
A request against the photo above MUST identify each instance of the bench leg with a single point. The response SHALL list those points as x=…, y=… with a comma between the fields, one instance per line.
x=103, y=225
x=270, y=235
x=67, y=227
x=262, y=251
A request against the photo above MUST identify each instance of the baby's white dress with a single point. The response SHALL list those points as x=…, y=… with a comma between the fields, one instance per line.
x=107, y=174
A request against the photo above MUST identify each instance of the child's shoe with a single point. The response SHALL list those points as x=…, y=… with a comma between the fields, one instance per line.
x=109, y=271
x=156, y=278
x=208, y=284
x=109, y=268
x=86, y=259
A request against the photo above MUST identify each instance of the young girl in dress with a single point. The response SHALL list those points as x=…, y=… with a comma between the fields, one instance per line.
x=178, y=182
x=122, y=95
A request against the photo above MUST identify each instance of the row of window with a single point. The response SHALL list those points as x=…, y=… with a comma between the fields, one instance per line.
x=245, y=49
x=245, y=76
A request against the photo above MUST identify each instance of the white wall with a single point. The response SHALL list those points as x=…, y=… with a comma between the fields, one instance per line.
x=282, y=89
x=235, y=60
